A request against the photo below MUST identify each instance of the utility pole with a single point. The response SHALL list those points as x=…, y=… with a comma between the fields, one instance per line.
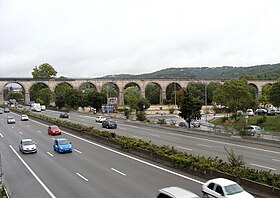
x=206, y=102
x=175, y=97
x=107, y=100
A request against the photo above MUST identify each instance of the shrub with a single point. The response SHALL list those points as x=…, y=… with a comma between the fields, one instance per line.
x=141, y=116
x=261, y=120
x=161, y=121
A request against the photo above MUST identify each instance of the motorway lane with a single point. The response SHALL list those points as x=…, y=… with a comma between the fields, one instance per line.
x=109, y=173
x=256, y=156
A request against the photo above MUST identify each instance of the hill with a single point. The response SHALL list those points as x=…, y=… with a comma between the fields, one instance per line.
x=264, y=72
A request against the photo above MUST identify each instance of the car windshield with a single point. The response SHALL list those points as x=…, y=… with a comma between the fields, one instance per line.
x=63, y=142
x=233, y=189
x=26, y=143
x=54, y=128
x=23, y=115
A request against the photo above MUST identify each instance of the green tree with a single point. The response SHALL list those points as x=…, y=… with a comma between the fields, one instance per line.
x=16, y=95
x=46, y=96
x=96, y=99
x=131, y=97
x=264, y=99
x=35, y=90
x=190, y=104
x=74, y=98
x=60, y=92
x=45, y=71
x=274, y=93
x=234, y=94
x=152, y=93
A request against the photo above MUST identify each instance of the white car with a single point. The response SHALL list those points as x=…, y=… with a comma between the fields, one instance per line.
x=100, y=118
x=24, y=117
x=250, y=112
x=224, y=188
x=175, y=192
x=27, y=146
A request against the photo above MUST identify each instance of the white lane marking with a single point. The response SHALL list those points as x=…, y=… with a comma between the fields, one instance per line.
x=1, y=135
x=136, y=127
x=231, y=144
x=204, y=145
x=138, y=137
x=128, y=156
x=118, y=171
x=276, y=160
x=262, y=166
x=136, y=159
x=50, y=154
x=27, y=125
x=39, y=131
x=82, y=176
x=20, y=133
x=2, y=119
x=155, y=135
x=185, y=148
x=13, y=127
x=53, y=139
x=32, y=172
x=77, y=151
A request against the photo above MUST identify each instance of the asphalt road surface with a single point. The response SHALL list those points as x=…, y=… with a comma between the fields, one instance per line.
x=92, y=170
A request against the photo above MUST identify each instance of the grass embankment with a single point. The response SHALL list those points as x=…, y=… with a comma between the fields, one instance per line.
x=268, y=123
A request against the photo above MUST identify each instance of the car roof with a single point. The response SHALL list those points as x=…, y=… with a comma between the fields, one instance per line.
x=222, y=181
x=59, y=139
x=178, y=192
x=26, y=140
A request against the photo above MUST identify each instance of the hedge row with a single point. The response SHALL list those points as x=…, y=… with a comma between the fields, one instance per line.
x=182, y=160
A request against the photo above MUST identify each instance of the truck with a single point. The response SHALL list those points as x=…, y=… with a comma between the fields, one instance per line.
x=36, y=107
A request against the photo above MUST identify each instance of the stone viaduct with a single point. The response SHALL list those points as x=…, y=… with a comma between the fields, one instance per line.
x=99, y=83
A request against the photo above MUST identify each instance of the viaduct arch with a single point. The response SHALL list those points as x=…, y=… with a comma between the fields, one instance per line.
x=98, y=83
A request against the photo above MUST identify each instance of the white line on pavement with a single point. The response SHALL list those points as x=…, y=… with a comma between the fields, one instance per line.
x=185, y=148
x=27, y=125
x=130, y=126
x=276, y=160
x=39, y=131
x=32, y=172
x=137, y=137
x=130, y=157
x=20, y=133
x=1, y=135
x=53, y=139
x=262, y=166
x=237, y=145
x=82, y=176
x=77, y=151
x=118, y=171
x=155, y=135
x=50, y=154
x=13, y=127
x=204, y=145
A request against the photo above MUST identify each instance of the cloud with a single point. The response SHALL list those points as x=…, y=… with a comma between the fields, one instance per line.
x=95, y=38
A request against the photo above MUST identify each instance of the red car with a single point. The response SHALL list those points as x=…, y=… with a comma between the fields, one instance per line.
x=54, y=130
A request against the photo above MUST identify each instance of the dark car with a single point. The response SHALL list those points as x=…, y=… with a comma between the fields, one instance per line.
x=6, y=110
x=183, y=124
x=64, y=115
x=260, y=111
x=109, y=124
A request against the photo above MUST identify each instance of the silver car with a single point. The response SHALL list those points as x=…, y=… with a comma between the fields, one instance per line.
x=175, y=192
x=27, y=146
x=11, y=120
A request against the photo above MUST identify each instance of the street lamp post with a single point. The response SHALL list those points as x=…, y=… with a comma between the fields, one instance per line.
x=206, y=102
x=175, y=97
x=107, y=100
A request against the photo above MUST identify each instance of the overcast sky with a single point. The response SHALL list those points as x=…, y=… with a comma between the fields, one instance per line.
x=94, y=38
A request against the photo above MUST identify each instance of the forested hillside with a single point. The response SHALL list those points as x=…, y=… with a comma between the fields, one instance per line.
x=269, y=71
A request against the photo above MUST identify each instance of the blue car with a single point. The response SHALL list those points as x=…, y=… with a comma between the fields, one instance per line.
x=62, y=145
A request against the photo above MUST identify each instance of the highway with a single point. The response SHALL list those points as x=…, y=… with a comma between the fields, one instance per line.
x=257, y=156
x=92, y=170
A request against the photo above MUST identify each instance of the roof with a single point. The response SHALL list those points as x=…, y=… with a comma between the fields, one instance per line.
x=222, y=181
x=178, y=192
x=26, y=140
x=59, y=139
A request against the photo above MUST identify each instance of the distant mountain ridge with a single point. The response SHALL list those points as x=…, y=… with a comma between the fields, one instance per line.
x=264, y=72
